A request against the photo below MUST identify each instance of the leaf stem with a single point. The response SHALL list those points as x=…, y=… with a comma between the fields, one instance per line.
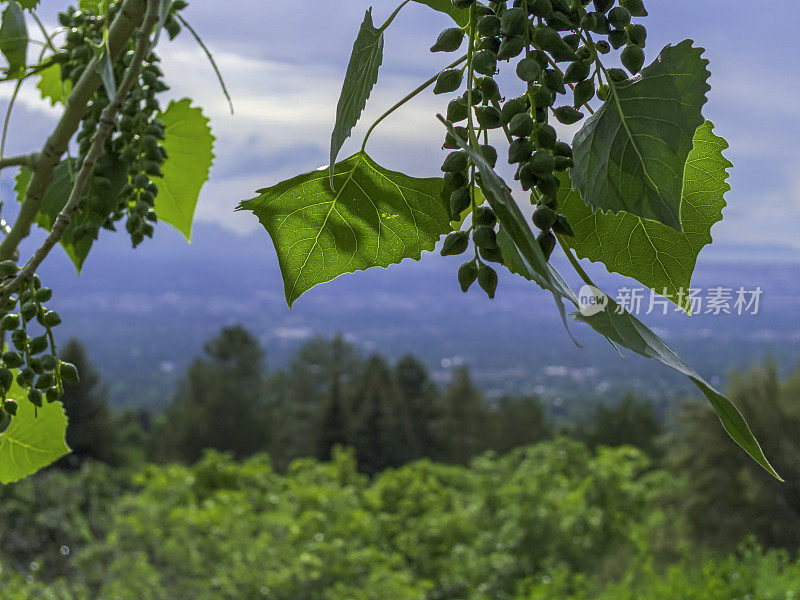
x=574, y=261
x=470, y=122
x=410, y=96
x=391, y=18
x=210, y=57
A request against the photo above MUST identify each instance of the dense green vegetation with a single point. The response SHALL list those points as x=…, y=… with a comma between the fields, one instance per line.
x=455, y=496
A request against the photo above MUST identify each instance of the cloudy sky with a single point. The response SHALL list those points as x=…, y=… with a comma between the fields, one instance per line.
x=284, y=62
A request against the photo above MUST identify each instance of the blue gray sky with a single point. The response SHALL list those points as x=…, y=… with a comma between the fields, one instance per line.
x=284, y=62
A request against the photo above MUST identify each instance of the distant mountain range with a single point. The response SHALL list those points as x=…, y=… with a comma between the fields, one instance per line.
x=145, y=313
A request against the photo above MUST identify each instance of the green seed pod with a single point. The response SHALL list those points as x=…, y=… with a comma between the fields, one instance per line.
x=602, y=46
x=484, y=215
x=38, y=344
x=563, y=163
x=541, y=8
x=8, y=268
x=488, y=117
x=6, y=378
x=513, y=22
x=617, y=75
x=577, y=71
x=632, y=58
x=488, y=88
x=544, y=217
x=487, y=279
x=519, y=151
x=559, y=21
x=491, y=43
x=69, y=373
x=548, y=186
x=141, y=181
x=619, y=17
x=29, y=310
x=467, y=274
x=9, y=304
x=545, y=136
x=567, y=115
x=455, y=161
x=462, y=3
x=449, y=80
x=53, y=394
x=477, y=97
x=484, y=237
x=35, y=397
x=584, y=92
x=527, y=178
x=562, y=226
x=51, y=319
x=449, y=40
x=26, y=296
x=529, y=70
x=554, y=81
x=547, y=242
x=585, y=53
x=542, y=163
x=510, y=47
x=20, y=339
x=637, y=34
x=484, y=62
x=450, y=142
x=48, y=362
x=153, y=169
x=542, y=96
x=603, y=6
x=491, y=255
x=459, y=202
x=455, y=243
x=490, y=154
x=457, y=111
x=45, y=381
x=521, y=125
x=10, y=322
x=634, y=7
x=489, y=26
x=25, y=377
x=601, y=26
x=618, y=38
x=602, y=91
x=36, y=364
x=514, y=107
x=10, y=407
x=454, y=181
x=589, y=21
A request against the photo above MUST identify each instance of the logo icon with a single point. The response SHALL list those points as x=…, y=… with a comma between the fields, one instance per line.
x=591, y=301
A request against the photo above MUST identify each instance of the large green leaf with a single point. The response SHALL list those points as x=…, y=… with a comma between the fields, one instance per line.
x=630, y=155
x=622, y=327
x=14, y=39
x=85, y=225
x=33, y=440
x=190, y=150
x=459, y=15
x=361, y=77
x=51, y=86
x=656, y=255
x=375, y=218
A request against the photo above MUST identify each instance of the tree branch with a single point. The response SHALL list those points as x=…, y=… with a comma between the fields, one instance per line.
x=104, y=129
x=23, y=160
x=129, y=17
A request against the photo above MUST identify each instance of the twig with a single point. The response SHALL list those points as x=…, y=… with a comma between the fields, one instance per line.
x=130, y=16
x=106, y=126
x=23, y=160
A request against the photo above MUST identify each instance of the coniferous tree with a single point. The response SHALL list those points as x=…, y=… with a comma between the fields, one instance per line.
x=463, y=428
x=420, y=399
x=90, y=432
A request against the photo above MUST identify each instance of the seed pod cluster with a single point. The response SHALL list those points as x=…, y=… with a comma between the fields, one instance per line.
x=31, y=354
x=122, y=185
x=556, y=48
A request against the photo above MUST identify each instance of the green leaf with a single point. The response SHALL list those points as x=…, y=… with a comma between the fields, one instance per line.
x=361, y=77
x=459, y=15
x=626, y=330
x=32, y=441
x=85, y=225
x=375, y=218
x=28, y=4
x=630, y=155
x=14, y=39
x=656, y=255
x=51, y=86
x=190, y=149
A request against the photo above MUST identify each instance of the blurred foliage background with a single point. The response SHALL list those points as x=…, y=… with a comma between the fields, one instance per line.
x=345, y=477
